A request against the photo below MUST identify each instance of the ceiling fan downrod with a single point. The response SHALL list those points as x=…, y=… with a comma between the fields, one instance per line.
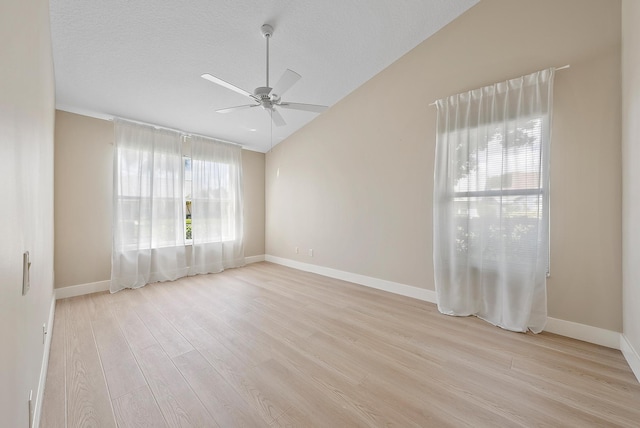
x=267, y=32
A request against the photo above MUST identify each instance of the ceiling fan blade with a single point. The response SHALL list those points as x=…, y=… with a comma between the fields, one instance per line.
x=227, y=85
x=230, y=109
x=277, y=118
x=306, y=107
x=287, y=80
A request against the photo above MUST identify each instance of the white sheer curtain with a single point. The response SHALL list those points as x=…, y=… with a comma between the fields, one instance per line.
x=148, y=219
x=491, y=202
x=216, y=207
x=149, y=242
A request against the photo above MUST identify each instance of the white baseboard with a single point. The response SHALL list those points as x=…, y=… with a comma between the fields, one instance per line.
x=94, y=287
x=599, y=336
x=254, y=259
x=380, y=284
x=79, y=290
x=631, y=355
x=37, y=411
x=587, y=333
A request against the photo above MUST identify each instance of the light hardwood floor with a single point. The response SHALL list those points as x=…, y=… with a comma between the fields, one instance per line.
x=266, y=345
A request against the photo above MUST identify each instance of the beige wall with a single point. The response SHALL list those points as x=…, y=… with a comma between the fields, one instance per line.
x=631, y=172
x=83, y=199
x=355, y=185
x=253, y=176
x=26, y=191
x=83, y=183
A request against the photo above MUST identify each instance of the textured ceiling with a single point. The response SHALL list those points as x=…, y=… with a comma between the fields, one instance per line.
x=142, y=59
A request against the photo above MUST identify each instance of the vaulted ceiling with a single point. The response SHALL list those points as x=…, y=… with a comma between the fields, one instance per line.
x=142, y=59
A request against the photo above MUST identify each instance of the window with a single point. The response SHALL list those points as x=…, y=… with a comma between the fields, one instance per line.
x=187, y=199
x=168, y=188
x=491, y=202
x=164, y=200
x=210, y=211
x=498, y=188
x=146, y=197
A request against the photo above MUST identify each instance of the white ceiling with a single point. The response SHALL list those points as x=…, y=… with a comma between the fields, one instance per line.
x=142, y=59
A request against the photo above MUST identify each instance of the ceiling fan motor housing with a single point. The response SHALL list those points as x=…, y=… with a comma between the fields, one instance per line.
x=262, y=93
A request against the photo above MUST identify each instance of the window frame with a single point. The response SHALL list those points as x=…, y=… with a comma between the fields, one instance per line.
x=188, y=198
x=455, y=196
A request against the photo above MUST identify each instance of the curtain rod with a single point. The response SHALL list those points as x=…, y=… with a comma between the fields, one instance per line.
x=564, y=67
x=188, y=135
x=184, y=134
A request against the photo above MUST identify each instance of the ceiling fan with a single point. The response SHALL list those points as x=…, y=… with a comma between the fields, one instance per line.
x=265, y=96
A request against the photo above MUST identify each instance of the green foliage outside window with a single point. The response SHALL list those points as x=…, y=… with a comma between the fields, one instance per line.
x=188, y=220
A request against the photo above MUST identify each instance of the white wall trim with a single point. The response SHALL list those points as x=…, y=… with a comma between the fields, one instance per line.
x=631, y=355
x=598, y=336
x=254, y=259
x=79, y=290
x=587, y=333
x=95, y=287
x=37, y=411
x=380, y=284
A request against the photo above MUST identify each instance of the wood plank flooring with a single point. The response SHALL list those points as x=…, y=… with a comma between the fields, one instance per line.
x=266, y=345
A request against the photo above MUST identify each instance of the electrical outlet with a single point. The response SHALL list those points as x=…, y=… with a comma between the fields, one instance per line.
x=297, y=250
x=310, y=252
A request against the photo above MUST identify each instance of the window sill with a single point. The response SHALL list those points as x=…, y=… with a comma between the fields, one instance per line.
x=189, y=243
